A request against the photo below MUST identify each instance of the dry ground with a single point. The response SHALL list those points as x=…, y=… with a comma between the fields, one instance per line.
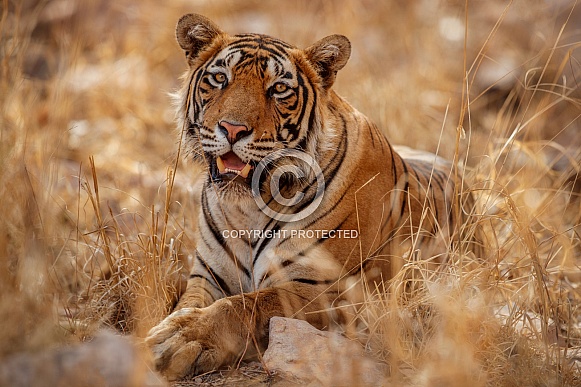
x=96, y=214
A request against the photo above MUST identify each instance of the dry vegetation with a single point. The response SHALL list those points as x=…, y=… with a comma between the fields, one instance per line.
x=95, y=226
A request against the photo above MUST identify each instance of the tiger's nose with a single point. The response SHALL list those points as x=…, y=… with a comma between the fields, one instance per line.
x=233, y=132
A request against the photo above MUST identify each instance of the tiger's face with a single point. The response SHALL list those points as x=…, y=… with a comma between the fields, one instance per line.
x=251, y=95
x=250, y=103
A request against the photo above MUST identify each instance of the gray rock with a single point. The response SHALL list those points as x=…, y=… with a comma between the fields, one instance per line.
x=107, y=360
x=303, y=354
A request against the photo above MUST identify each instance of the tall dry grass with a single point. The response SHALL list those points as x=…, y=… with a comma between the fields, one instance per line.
x=98, y=211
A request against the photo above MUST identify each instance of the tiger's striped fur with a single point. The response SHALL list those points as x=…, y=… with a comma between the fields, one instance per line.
x=245, y=97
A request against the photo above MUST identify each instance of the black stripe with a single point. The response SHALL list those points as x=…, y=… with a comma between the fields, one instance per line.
x=394, y=183
x=242, y=45
x=451, y=218
x=330, y=170
x=382, y=139
x=436, y=212
x=263, y=39
x=313, y=282
x=294, y=133
x=211, y=282
x=413, y=171
x=218, y=236
x=219, y=281
x=436, y=179
x=194, y=89
x=312, y=116
x=405, y=189
x=210, y=222
x=333, y=206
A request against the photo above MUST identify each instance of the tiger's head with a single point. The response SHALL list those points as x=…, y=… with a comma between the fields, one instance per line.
x=247, y=96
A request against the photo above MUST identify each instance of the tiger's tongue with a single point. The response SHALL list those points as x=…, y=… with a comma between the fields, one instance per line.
x=231, y=161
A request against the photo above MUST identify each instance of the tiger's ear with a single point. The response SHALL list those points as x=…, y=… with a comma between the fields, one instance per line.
x=329, y=55
x=194, y=33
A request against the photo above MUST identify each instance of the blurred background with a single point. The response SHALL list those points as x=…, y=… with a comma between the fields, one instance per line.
x=87, y=137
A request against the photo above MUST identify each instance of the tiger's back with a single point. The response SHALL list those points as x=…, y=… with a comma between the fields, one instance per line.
x=261, y=115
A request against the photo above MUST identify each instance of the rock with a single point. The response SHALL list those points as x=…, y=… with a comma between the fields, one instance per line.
x=303, y=354
x=107, y=360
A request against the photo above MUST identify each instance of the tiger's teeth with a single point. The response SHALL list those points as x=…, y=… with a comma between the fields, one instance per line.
x=222, y=168
x=244, y=171
x=220, y=164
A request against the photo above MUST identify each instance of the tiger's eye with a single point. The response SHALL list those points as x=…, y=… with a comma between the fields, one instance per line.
x=219, y=77
x=280, y=87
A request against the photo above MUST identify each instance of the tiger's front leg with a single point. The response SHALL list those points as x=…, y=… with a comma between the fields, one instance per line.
x=190, y=341
x=201, y=339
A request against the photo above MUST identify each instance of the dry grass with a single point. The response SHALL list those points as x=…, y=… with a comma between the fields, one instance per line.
x=95, y=226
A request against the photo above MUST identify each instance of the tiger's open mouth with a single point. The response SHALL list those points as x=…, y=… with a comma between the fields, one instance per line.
x=230, y=163
x=230, y=167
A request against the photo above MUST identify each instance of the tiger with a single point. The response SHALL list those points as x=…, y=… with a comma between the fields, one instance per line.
x=252, y=105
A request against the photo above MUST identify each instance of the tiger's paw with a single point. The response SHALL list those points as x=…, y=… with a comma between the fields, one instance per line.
x=190, y=341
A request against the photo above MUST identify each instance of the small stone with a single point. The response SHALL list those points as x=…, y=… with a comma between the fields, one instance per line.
x=108, y=360
x=299, y=352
